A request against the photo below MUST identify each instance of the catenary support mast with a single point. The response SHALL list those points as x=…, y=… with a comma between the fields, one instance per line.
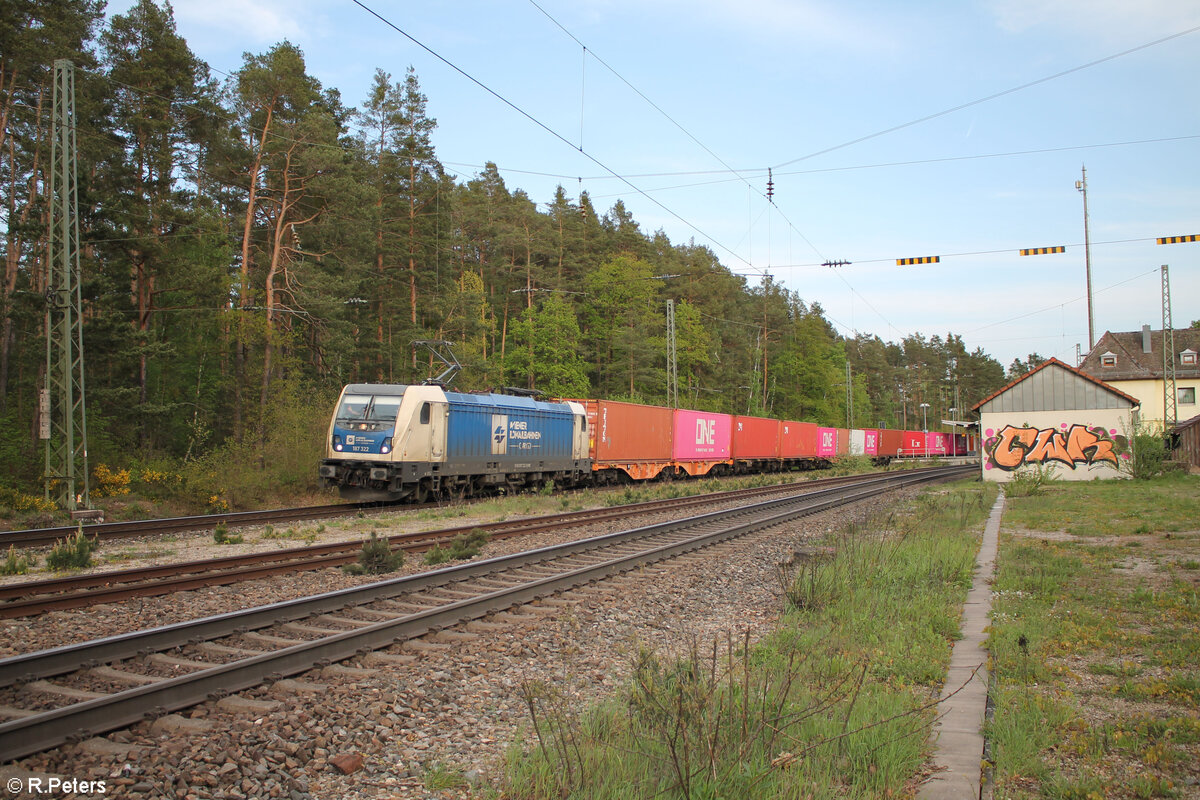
x=64, y=411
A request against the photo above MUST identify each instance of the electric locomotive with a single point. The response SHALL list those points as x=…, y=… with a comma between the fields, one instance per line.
x=418, y=442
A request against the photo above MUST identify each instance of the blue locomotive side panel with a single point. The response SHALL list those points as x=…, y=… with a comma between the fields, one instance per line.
x=511, y=432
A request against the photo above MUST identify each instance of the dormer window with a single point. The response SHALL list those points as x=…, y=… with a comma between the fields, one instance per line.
x=1108, y=359
x=1188, y=358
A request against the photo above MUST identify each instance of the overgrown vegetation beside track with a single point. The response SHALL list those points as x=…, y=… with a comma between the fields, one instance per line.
x=1095, y=642
x=838, y=702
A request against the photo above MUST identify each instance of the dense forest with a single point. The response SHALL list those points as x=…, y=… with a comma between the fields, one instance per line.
x=250, y=245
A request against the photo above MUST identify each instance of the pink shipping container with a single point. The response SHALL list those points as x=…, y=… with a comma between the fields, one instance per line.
x=702, y=436
x=827, y=442
x=798, y=439
x=755, y=437
x=870, y=442
x=938, y=444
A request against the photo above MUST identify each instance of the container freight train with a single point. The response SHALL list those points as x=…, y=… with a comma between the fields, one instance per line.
x=396, y=442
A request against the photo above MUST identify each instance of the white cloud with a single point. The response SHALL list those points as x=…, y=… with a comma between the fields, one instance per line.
x=1109, y=19
x=259, y=22
x=808, y=23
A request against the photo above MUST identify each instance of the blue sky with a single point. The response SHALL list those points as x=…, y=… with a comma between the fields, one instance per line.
x=692, y=100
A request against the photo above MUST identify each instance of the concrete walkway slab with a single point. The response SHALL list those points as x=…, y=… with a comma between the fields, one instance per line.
x=958, y=733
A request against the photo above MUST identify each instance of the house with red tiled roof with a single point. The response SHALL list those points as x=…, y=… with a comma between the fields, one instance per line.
x=1133, y=362
x=1056, y=418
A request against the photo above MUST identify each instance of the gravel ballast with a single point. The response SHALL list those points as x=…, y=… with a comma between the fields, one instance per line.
x=378, y=726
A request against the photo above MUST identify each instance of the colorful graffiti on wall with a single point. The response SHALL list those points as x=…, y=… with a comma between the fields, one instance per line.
x=1069, y=445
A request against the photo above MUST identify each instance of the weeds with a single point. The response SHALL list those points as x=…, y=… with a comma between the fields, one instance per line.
x=376, y=558
x=837, y=702
x=1073, y=629
x=74, y=552
x=269, y=532
x=221, y=535
x=1031, y=481
x=461, y=548
x=16, y=563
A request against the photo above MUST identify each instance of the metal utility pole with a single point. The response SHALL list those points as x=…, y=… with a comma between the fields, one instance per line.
x=1170, y=409
x=1081, y=185
x=672, y=364
x=849, y=397
x=62, y=405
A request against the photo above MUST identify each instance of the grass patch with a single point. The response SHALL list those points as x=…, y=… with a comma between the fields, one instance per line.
x=1110, y=508
x=270, y=532
x=837, y=702
x=1096, y=669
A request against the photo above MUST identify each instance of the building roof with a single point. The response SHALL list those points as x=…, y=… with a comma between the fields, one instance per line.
x=1134, y=363
x=1079, y=378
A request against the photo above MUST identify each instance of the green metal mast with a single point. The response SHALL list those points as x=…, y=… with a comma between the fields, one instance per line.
x=64, y=418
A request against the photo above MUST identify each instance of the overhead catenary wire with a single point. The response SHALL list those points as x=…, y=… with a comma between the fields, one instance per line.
x=527, y=115
x=991, y=97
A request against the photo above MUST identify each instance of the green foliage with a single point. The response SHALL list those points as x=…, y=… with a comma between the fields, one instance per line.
x=1149, y=455
x=352, y=239
x=376, y=557
x=221, y=535
x=1031, y=480
x=74, y=552
x=1072, y=629
x=20, y=502
x=831, y=705
x=462, y=547
x=16, y=563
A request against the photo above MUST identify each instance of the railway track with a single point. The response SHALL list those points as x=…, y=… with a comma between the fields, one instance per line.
x=54, y=696
x=42, y=537
x=79, y=591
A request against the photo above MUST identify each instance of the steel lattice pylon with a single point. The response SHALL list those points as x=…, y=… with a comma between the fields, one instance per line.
x=672, y=364
x=1170, y=409
x=64, y=422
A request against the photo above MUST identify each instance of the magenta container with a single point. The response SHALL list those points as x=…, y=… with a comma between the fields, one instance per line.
x=827, y=442
x=702, y=435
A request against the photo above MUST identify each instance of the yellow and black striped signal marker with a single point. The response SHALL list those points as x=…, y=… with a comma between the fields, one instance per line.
x=1195, y=237
x=901, y=262
x=1042, y=251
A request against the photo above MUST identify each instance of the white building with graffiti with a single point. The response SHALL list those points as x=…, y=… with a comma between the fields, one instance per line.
x=1056, y=418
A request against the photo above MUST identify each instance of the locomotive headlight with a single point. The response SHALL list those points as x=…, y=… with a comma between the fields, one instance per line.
x=387, y=445
x=337, y=442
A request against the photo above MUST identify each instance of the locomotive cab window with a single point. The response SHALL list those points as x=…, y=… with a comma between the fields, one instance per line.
x=368, y=412
x=425, y=413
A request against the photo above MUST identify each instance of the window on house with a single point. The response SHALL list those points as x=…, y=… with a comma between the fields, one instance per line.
x=1108, y=360
x=1188, y=358
x=1186, y=396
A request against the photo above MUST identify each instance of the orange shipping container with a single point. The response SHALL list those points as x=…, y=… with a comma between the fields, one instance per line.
x=629, y=436
x=755, y=437
x=798, y=439
x=891, y=443
x=843, y=443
